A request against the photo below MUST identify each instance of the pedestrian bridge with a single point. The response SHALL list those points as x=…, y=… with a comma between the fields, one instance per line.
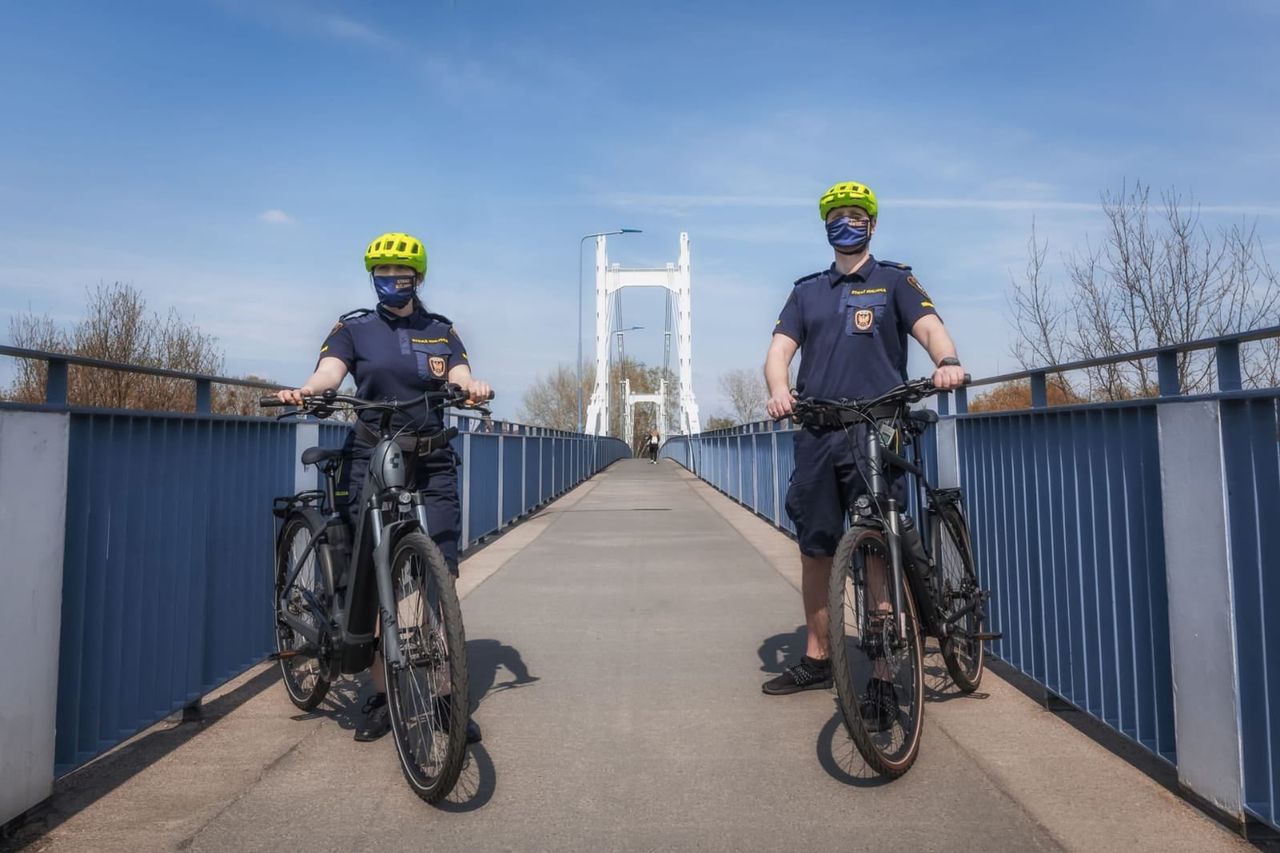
x=620, y=618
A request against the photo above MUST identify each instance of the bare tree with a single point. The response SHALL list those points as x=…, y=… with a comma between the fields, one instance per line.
x=1158, y=277
x=552, y=401
x=119, y=327
x=747, y=394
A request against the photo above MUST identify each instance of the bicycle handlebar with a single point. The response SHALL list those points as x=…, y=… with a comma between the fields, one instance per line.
x=910, y=391
x=453, y=396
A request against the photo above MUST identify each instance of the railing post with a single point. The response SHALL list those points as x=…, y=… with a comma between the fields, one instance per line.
x=1039, y=390
x=55, y=383
x=1227, y=355
x=466, y=490
x=524, y=474
x=962, y=401
x=944, y=404
x=204, y=397
x=777, y=510
x=1167, y=373
x=501, y=478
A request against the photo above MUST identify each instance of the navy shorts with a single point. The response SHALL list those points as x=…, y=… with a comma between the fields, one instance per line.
x=436, y=477
x=828, y=477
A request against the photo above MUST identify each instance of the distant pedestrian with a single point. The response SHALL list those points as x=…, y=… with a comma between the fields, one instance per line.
x=654, y=443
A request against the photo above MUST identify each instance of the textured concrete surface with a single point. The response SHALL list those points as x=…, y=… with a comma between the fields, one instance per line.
x=616, y=658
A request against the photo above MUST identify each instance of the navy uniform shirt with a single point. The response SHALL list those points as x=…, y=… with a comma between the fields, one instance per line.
x=852, y=329
x=396, y=358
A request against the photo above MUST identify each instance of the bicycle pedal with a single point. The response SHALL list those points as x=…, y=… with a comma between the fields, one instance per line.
x=307, y=651
x=996, y=636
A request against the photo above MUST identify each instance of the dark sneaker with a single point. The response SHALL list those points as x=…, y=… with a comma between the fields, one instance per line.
x=377, y=719
x=879, y=707
x=444, y=713
x=809, y=674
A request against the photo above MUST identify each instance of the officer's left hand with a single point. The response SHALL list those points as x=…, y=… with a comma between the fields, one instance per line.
x=478, y=392
x=948, y=377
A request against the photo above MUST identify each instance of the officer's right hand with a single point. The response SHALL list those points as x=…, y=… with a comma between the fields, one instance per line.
x=781, y=404
x=294, y=396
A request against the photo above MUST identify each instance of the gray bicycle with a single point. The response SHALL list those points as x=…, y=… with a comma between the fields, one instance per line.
x=330, y=581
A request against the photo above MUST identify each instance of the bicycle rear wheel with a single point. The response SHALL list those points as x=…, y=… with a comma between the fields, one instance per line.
x=867, y=655
x=427, y=693
x=962, y=650
x=301, y=668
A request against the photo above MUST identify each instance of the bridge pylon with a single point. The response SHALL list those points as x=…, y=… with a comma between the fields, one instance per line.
x=677, y=280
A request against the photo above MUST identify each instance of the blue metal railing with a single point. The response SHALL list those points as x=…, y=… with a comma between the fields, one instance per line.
x=1251, y=457
x=1066, y=513
x=169, y=540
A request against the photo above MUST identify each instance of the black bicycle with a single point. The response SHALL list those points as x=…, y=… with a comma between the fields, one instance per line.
x=888, y=588
x=330, y=581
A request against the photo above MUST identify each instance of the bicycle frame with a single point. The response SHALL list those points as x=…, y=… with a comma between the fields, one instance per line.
x=385, y=483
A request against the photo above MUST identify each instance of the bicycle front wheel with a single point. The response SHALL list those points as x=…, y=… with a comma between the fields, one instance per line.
x=877, y=668
x=962, y=651
x=301, y=668
x=427, y=690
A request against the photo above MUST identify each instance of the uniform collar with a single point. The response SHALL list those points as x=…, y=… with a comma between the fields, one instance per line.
x=395, y=318
x=834, y=276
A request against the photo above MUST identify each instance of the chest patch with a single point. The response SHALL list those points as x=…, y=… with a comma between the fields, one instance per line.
x=437, y=365
x=863, y=319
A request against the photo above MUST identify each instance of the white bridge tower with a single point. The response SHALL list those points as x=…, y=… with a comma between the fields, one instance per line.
x=677, y=281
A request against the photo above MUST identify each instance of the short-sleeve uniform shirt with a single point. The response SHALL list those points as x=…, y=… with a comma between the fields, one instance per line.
x=852, y=329
x=396, y=358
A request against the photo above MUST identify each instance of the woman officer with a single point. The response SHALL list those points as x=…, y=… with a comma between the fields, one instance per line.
x=398, y=350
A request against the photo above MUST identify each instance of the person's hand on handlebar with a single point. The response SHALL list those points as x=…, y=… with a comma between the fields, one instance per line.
x=294, y=396
x=781, y=404
x=948, y=376
x=477, y=392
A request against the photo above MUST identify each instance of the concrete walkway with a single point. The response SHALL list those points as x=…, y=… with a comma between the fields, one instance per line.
x=617, y=643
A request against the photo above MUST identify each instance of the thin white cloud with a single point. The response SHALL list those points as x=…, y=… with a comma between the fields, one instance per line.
x=275, y=216
x=671, y=202
x=349, y=29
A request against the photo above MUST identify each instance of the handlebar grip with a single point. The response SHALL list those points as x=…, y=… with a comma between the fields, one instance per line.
x=968, y=378
x=268, y=402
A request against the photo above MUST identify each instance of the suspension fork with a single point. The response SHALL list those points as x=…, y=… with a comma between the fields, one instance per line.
x=893, y=523
x=386, y=593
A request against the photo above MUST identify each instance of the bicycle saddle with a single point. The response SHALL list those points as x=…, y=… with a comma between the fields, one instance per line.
x=315, y=455
x=924, y=417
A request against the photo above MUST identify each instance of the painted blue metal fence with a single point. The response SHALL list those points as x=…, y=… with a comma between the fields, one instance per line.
x=1251, y=456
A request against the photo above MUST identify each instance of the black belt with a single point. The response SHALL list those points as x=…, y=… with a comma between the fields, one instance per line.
x=419, y=445
x=841, y=419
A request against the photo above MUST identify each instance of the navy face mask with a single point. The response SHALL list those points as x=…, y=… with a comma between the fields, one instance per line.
x=394, y=291
x=847, y=238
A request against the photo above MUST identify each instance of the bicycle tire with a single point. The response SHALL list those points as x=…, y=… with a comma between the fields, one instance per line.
x=304, y=693
x=418, y=569
x=841, y=635
x=958, y=582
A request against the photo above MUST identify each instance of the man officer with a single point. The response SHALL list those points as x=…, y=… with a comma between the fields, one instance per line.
x=850, y=324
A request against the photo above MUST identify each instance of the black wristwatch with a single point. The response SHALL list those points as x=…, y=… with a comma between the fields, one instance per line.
x=949, y=361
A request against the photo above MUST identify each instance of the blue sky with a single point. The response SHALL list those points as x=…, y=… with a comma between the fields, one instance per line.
x=231, y=158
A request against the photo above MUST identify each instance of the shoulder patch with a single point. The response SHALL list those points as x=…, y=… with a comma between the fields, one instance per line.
x=915, y=282
x=893, y=264
x=809, y=277
x=354, y=317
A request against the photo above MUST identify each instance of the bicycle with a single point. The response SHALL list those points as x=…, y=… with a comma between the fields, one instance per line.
x=324, y=596
x=874, y=634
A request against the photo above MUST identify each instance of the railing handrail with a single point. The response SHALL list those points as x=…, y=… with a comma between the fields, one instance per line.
x=56, y=390
x=1137, y=355
x=106, y=364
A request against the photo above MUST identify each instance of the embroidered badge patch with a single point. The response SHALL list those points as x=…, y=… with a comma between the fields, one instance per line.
x=436, y=363
x=914, y=282
x=863, y=318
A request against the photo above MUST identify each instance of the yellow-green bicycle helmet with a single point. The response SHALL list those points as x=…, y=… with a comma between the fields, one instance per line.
x=848, y=194
x=395, y=247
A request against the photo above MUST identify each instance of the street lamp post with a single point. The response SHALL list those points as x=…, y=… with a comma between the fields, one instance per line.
x=581, y=414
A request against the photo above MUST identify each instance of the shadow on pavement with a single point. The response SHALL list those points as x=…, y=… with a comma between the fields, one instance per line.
x=484, y=659
x=78, y=790
x=841, y=759
x=476, y=783
x=782, y=650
